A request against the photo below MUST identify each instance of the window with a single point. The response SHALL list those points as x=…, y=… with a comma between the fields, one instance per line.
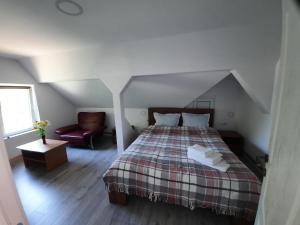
x=17, y=109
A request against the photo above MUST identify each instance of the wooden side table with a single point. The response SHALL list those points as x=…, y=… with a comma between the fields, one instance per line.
x=234, y=140
x=49, y=156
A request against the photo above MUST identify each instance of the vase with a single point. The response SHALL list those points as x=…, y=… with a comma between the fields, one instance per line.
x=44, y=139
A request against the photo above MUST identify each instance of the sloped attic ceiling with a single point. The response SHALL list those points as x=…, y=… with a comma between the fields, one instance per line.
x=171, y=90
x=141, y=92
x=85, y=93
x=45, y=30
x=130, y=37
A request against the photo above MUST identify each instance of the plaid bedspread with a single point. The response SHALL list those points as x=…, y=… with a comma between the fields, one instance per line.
x=156, y=166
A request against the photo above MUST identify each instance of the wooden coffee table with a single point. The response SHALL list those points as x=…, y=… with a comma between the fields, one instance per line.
x=49, y=156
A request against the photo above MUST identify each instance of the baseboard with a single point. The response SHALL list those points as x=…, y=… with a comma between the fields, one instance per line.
x=15, y=160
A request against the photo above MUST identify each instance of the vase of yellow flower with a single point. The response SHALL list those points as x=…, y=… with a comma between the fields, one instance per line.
x=44, y=139
x=40, y=127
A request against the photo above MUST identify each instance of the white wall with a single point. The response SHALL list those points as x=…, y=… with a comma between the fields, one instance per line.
x=85, y=93
x=249, y=45
x=254, y=125
x=251, y=50
x=137, y=117
x=225, y=97
x=280, y=199
x=228, y=96
x=169, y=90
x=11, y=210
x=52, y=106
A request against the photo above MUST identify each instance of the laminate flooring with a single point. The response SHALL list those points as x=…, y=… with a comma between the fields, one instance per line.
x=74, y=194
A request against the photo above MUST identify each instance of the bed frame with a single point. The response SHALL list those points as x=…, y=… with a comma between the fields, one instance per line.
x=121, y=198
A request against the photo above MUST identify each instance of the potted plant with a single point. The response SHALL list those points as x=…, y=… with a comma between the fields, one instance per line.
x=40, y=127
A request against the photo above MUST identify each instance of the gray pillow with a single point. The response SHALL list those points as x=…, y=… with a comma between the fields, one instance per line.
x=169, y=119
x=195, y=120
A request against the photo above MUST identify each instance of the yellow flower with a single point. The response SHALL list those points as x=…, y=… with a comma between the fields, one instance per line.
x=41, y=124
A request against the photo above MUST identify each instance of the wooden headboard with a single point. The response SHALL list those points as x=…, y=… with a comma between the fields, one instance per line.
x=151, y=120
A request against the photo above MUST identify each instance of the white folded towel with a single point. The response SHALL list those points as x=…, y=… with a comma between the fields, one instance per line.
x=207, y=157
x=204, y=151
x=221, y=165
x=204, y=154
x=212, y=159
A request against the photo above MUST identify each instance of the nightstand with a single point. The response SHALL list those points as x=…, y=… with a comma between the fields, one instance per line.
x=257, y=165
x=234, y=140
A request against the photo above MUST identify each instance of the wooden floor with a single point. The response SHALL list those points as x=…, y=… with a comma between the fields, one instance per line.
x=75, y=194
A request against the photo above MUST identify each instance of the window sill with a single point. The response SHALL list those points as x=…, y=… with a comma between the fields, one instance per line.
x=18, y=134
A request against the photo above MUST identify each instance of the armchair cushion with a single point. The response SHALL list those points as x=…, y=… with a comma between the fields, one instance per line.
x=66, y=129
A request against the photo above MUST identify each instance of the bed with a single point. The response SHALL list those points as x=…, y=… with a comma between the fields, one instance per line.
x=156, y=166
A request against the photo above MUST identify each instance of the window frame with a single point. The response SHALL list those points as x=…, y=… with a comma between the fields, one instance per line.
x=33, y=107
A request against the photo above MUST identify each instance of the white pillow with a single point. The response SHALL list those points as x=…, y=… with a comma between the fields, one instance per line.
x=169, y=119
x=195, y=120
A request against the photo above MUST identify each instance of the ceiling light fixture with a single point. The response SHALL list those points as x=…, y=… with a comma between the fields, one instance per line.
x=69, y=7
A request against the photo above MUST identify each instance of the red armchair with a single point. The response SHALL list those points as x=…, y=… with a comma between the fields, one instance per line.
x=90, y=125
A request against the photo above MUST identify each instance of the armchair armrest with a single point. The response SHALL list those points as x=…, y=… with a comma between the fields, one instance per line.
x=93, y=132
x=65, y=129
x=89, y=133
